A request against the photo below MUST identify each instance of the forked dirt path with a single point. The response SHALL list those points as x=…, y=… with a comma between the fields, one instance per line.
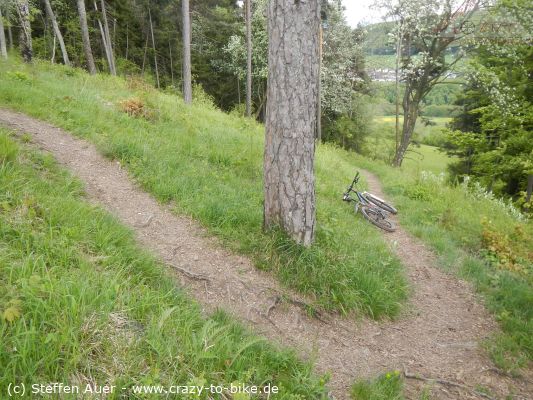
x=437, y=337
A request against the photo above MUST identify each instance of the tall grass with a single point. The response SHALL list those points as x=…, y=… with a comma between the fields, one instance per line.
x=209, y=165
x=81, y=304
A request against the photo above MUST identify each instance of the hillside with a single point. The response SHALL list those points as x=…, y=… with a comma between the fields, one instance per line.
x=206, y=164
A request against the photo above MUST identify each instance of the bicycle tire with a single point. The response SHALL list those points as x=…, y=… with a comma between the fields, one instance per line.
x=375, y=217
x=380, y=203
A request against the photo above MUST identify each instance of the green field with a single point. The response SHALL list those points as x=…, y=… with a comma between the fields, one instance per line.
x=420, y=157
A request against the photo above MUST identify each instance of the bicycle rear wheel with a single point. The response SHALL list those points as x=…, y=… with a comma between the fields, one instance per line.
x=375, y=216
x=380, y=203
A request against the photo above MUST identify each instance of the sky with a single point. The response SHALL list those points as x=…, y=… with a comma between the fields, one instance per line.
x=360, y=11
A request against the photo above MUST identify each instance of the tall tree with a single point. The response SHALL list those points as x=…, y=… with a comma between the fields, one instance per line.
x=153, y=46
x=425, y=31
x=291, y=117
x=3, y=48
x=85, y=37
x=248, y=6
x=106, y=38
x=187, y=79
x=26, y=47
x=57, y=31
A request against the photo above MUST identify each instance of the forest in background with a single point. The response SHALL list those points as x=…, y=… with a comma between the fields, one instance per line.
x=146, y=40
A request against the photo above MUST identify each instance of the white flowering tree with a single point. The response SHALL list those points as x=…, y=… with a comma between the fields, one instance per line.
x=424, y=33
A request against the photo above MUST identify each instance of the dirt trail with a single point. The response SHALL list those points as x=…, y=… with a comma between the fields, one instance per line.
x=437, y=337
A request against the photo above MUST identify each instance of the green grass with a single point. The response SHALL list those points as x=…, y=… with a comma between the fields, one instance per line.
x=209, y=165
x=420, y=157
x=388, y=386
x=449, y=219
x=81, y=303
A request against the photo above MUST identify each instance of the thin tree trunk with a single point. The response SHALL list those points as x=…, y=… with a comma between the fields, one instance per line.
x=85, y=37
x=187, y=79
x=153, y=47
x=249, y=58
x=171, y=62
x=238, y=90
x=291, y=117
x=127, y=40
x=319, y=93
x=9, y=30
x=57, y=32
x=104, y=42
x=410, y=115
x=144, y=56
x=26, y=47
x=53, y=59
x=529, y=187
x=3, y=48
x=108, y=40
x=397, y=76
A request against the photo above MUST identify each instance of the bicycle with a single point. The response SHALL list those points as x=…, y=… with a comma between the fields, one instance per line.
x=374, y=209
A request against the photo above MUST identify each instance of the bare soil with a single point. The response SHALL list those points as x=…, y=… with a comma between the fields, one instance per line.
x=438, y=336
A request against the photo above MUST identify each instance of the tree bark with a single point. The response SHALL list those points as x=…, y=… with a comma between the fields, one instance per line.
x=187, y=79
x=153, y=47
x=85, y=37
x=249, y=58
x=410, y=115
x=291, y=120
x=3, y=48
x=106, y=38
x=57, y=32
x=26, y=48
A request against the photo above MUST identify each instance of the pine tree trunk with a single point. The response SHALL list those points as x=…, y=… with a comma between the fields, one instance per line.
x=85, y=37
x=249, y=58
x=3, y=48
x=153, y=47
x=291, y=117
x=26, y=48
x=57, y=32
x=187, y=79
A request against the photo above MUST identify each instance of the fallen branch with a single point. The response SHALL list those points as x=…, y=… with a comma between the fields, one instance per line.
x=445, y=383
x=192, y=275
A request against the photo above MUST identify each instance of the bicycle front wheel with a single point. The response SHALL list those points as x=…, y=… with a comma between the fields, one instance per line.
x=380, y=203
x=377, y=218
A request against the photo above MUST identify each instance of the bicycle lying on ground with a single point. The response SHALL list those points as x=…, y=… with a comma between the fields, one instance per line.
x=372, y=207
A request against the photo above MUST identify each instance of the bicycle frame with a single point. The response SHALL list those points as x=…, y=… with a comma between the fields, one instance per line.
x=361, y=199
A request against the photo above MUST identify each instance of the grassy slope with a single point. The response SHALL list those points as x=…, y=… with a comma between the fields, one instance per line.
x=195, y=150
x=208, y=165
x=450, y=220
x=90, y=306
